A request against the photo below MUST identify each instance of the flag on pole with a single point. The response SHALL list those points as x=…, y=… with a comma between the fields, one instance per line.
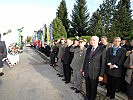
x=19, y=37
x=48, y=36
x=51, y=34
x=43, y=36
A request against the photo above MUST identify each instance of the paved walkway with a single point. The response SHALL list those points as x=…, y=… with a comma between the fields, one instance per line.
x=34, y=79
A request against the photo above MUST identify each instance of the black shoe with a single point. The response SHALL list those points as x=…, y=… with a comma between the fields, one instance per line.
x=77, y=91
x=118, y=90
x=60, y=75
x=63, y=80
x=73, y=88
x=1, y=74
x=107, y=95
x=67, y=82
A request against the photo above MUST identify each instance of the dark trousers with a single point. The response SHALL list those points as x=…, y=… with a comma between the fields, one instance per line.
x=130, y=90
x=67, y=72
x=91, y=88
x=112, y=85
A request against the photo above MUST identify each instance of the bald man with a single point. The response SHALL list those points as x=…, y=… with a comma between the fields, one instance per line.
x=93, y=67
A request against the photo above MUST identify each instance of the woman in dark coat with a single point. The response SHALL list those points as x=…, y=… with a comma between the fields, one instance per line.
x=3, y=54
x=129, y=75
x=115, y=59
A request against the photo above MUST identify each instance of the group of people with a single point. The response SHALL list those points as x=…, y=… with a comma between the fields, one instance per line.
x=96, y=61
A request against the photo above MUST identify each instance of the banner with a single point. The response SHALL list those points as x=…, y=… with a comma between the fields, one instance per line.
x=48, y=36
x=19, y=38
x=51, y=35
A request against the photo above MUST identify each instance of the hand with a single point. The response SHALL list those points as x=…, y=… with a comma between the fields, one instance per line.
x=83, y=74
x=131, y=67
x=100, y=78
x=111, y=66
x=127, y=53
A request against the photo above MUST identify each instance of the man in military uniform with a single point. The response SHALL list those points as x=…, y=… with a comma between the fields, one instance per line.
x=3, y=54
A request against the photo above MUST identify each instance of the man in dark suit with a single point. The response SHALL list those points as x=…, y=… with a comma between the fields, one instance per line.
x=93, y=67
x=3, y=54
x=115, y=59
x=68, y=56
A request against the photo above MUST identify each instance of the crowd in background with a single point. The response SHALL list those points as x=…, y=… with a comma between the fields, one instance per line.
x=110, y=64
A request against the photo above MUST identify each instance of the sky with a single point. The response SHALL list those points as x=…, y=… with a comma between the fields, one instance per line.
x=33, y=14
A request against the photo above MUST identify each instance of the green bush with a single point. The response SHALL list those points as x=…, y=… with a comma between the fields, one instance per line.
x=86, y=37
x=72, y=38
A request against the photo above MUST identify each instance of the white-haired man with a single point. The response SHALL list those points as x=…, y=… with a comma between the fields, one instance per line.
x=93, y=67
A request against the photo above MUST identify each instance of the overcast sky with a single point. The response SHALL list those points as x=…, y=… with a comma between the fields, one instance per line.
x=33, y=14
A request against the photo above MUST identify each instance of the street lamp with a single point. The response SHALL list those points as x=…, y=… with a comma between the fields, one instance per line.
x=19, y=37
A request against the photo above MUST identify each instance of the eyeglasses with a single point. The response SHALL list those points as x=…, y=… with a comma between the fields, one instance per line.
x=117, y=41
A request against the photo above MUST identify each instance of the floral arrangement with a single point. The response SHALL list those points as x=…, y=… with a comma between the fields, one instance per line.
x=13, y=49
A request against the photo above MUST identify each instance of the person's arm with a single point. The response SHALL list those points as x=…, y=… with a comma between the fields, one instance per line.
x=103, y=64
x=122, y=59
x=72, y=49
x=5, y=51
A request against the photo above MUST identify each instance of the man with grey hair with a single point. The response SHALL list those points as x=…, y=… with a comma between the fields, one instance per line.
x=93, y=67
x=3, y=54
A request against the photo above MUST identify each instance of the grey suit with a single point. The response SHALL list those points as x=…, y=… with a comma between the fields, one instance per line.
x=78, y=59
x=94, y=66
x=60, y=54
x=77, y=64
x=3, y=52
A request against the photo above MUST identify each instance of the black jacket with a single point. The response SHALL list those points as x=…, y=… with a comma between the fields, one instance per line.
x=68, y=56
x=118, y=60
x=94, y=66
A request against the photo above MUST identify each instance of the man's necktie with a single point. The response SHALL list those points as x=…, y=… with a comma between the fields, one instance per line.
x=92, y=50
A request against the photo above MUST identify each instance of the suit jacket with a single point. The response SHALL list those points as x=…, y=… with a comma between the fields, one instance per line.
x=3, y=52
x=94, y=66
x=68, y=56
x=118, y=60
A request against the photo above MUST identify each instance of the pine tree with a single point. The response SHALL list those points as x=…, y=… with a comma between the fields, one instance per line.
x=123, y=23
x=80, y=17
x=96, y=25
x=58, y=29
x=106, y=11
x=63, y=15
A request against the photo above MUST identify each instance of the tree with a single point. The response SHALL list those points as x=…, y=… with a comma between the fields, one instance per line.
x=80, y=17
x=96, y=25
x=58, y=29
x=63, y=15
x=107, y=11
x=123, y=23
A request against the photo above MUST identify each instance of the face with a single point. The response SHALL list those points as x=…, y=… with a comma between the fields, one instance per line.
x=81, y=44
x=132, y=43
x=117, y=42
x=93, y=41
x=68, y=42
x=123, y=41
x=103, y=41
x=76, y=42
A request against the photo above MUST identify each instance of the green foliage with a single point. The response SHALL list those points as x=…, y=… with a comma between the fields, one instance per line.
x=96, y=25
x=80, y=17
x=122, y=21
x=63, y=15
x=106, y=11
x=86, y=37
x=58, y=29
x=72, y=38
x=29, y=39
